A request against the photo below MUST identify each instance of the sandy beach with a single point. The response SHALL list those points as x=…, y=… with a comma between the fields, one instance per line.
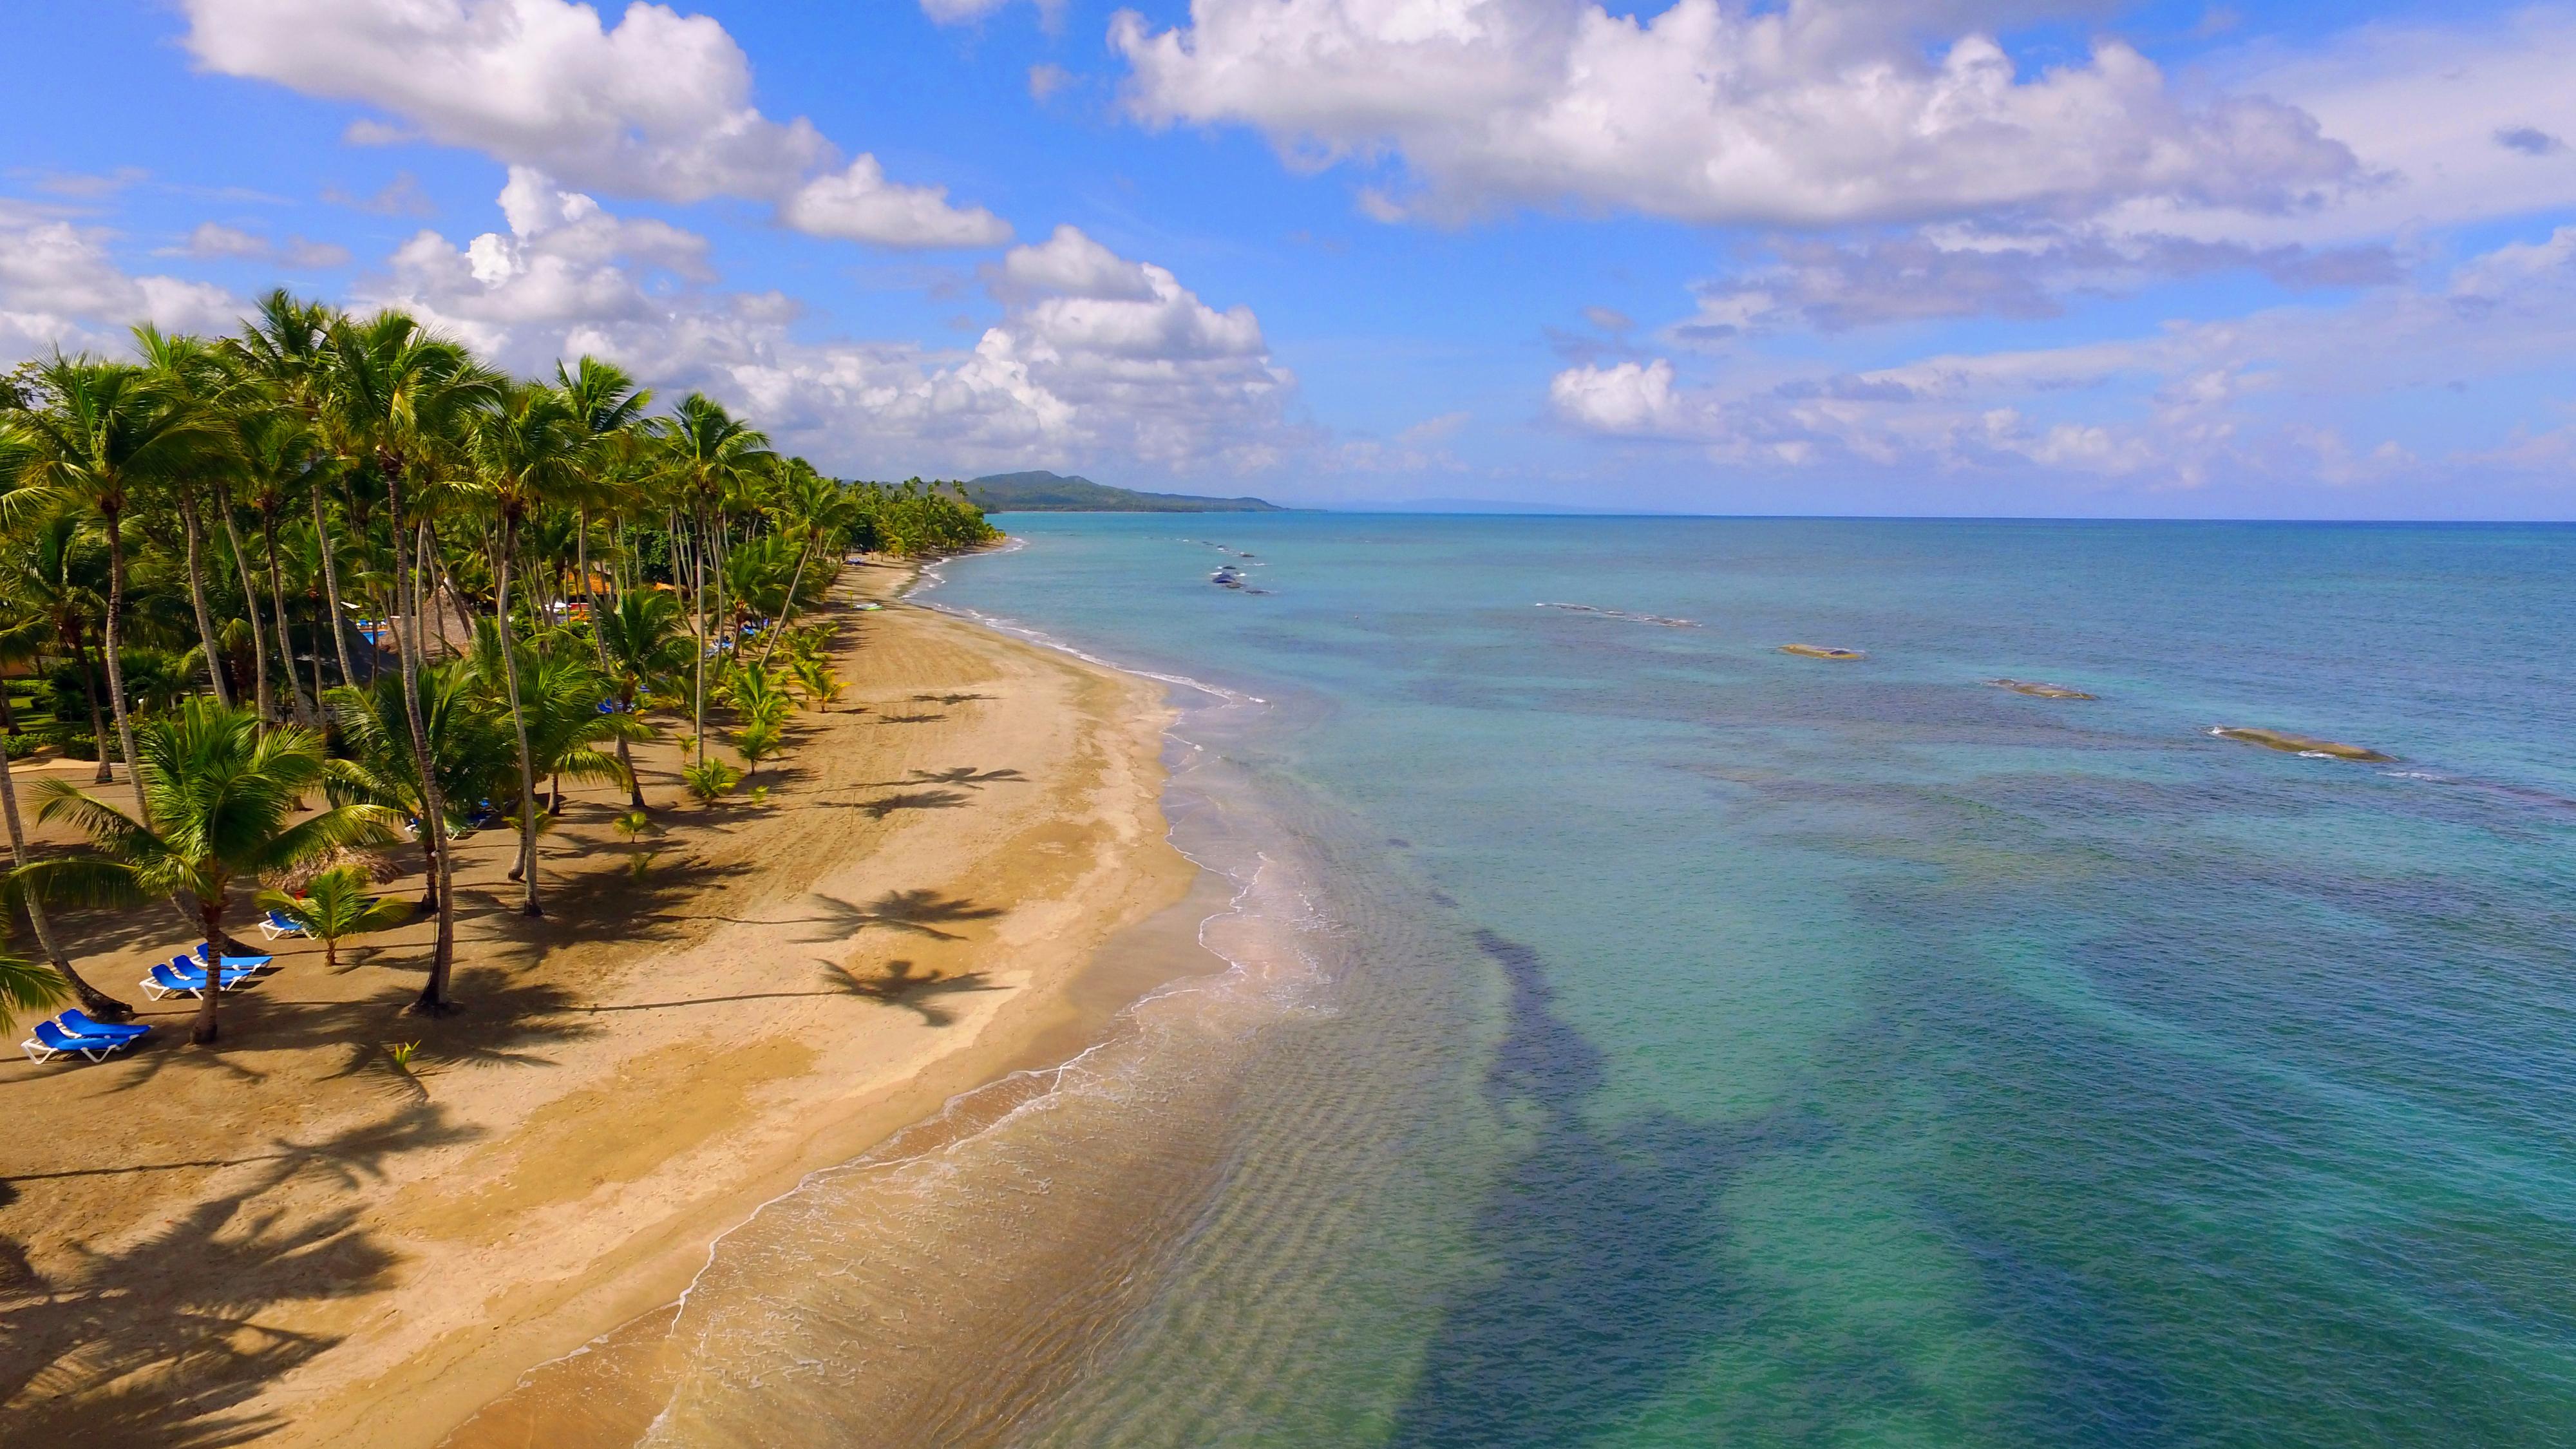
x=294, y=1239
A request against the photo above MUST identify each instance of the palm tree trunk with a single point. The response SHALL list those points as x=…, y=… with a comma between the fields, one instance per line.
x=634, y=786
x=195, y=531
x=331, y=590
x=266, y=697
x=625, y=757
x=698, y=558
x=589, y=598
x=786, y=611
x=411, y=609
x=433, y=824
x=526, y=874
x=97, y=720
x=716, y=555
x=210, y=909
x=464, y=611
x=318, y=720
x=277, y=601
x=115, y=666
x=94, y=1001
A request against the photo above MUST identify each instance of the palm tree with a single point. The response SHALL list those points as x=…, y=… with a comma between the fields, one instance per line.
x=818, y=508
x=607, y=412
x=559, y=722
x=709, y=455
x=278, y=453
x=335, y=906
x=287, y=347
x=188, y=367
x=222, y=794
x=106, y=429
x=815, y=679
x=524, y=452
x=397, y=398
x=94, y=1001
x=58, y=574
x=640, y=635
x=565, y=722
x=468, y=743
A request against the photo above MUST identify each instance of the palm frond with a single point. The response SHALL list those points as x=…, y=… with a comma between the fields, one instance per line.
x=84, y=880
x=334, y=829
x=29, y=988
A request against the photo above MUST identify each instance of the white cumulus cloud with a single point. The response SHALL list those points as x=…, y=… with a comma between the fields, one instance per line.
x=1094, y=355
x=61, y=287
x=1812, y=114
x=657, y=105
x=860, y=204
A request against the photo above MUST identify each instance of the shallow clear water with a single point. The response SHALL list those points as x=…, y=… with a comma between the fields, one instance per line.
x=1672, y=1041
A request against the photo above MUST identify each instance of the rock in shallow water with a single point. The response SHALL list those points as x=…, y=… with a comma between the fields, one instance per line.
x=2039, y=691
x=2301, y=744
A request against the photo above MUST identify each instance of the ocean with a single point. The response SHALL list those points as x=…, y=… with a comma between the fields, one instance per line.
x=1635, y=1035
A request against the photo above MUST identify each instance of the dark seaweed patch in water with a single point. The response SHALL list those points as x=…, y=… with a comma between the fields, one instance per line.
x=1610, y=1279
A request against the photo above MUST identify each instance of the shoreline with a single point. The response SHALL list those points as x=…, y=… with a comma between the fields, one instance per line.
x=993, y=913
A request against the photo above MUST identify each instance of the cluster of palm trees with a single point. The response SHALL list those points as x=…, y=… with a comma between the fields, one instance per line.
x=341, y=553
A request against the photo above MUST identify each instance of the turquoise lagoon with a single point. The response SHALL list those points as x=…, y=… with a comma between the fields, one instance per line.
x=1706, y=1045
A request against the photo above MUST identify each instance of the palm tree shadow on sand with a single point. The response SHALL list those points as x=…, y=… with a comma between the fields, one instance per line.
x=900, y=986
x=916, y=912
x=158, y=1343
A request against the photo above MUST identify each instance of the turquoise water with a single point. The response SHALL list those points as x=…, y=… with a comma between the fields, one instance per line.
x=1710, y=1046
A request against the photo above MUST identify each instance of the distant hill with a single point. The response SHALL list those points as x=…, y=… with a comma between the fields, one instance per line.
x=1055, y=493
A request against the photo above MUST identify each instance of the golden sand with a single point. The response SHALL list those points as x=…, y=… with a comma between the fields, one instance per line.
x=289, y=1236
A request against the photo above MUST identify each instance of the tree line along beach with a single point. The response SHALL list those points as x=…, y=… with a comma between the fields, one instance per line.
x=875, y=853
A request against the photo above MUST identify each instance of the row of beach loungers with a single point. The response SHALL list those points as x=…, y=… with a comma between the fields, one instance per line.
x=75, y=1033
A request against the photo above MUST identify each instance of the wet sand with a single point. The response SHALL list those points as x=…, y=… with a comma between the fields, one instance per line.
x=291, y=1239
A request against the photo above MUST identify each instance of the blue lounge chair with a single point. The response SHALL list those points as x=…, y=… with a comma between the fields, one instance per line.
x=51, y=1041
x=184, y=978
x=275, y=926
x=78, y=1023
x=237, y=969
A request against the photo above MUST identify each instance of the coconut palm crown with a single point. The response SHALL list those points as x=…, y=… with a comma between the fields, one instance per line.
x=221, y=797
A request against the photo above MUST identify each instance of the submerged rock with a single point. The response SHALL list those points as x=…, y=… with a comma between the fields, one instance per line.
x=2301, y=744
x=1821, y=651
x=2037, y=690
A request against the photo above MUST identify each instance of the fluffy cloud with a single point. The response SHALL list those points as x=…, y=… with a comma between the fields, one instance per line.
x=1815, y=114
x=2295, y=394
x=60, y=287
x=1094, y=355
x=1627, y=397
x=2427, y=107
x=860, y=204
x=658, y=105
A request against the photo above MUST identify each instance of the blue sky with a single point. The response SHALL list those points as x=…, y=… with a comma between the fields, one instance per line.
x=2028, y=257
